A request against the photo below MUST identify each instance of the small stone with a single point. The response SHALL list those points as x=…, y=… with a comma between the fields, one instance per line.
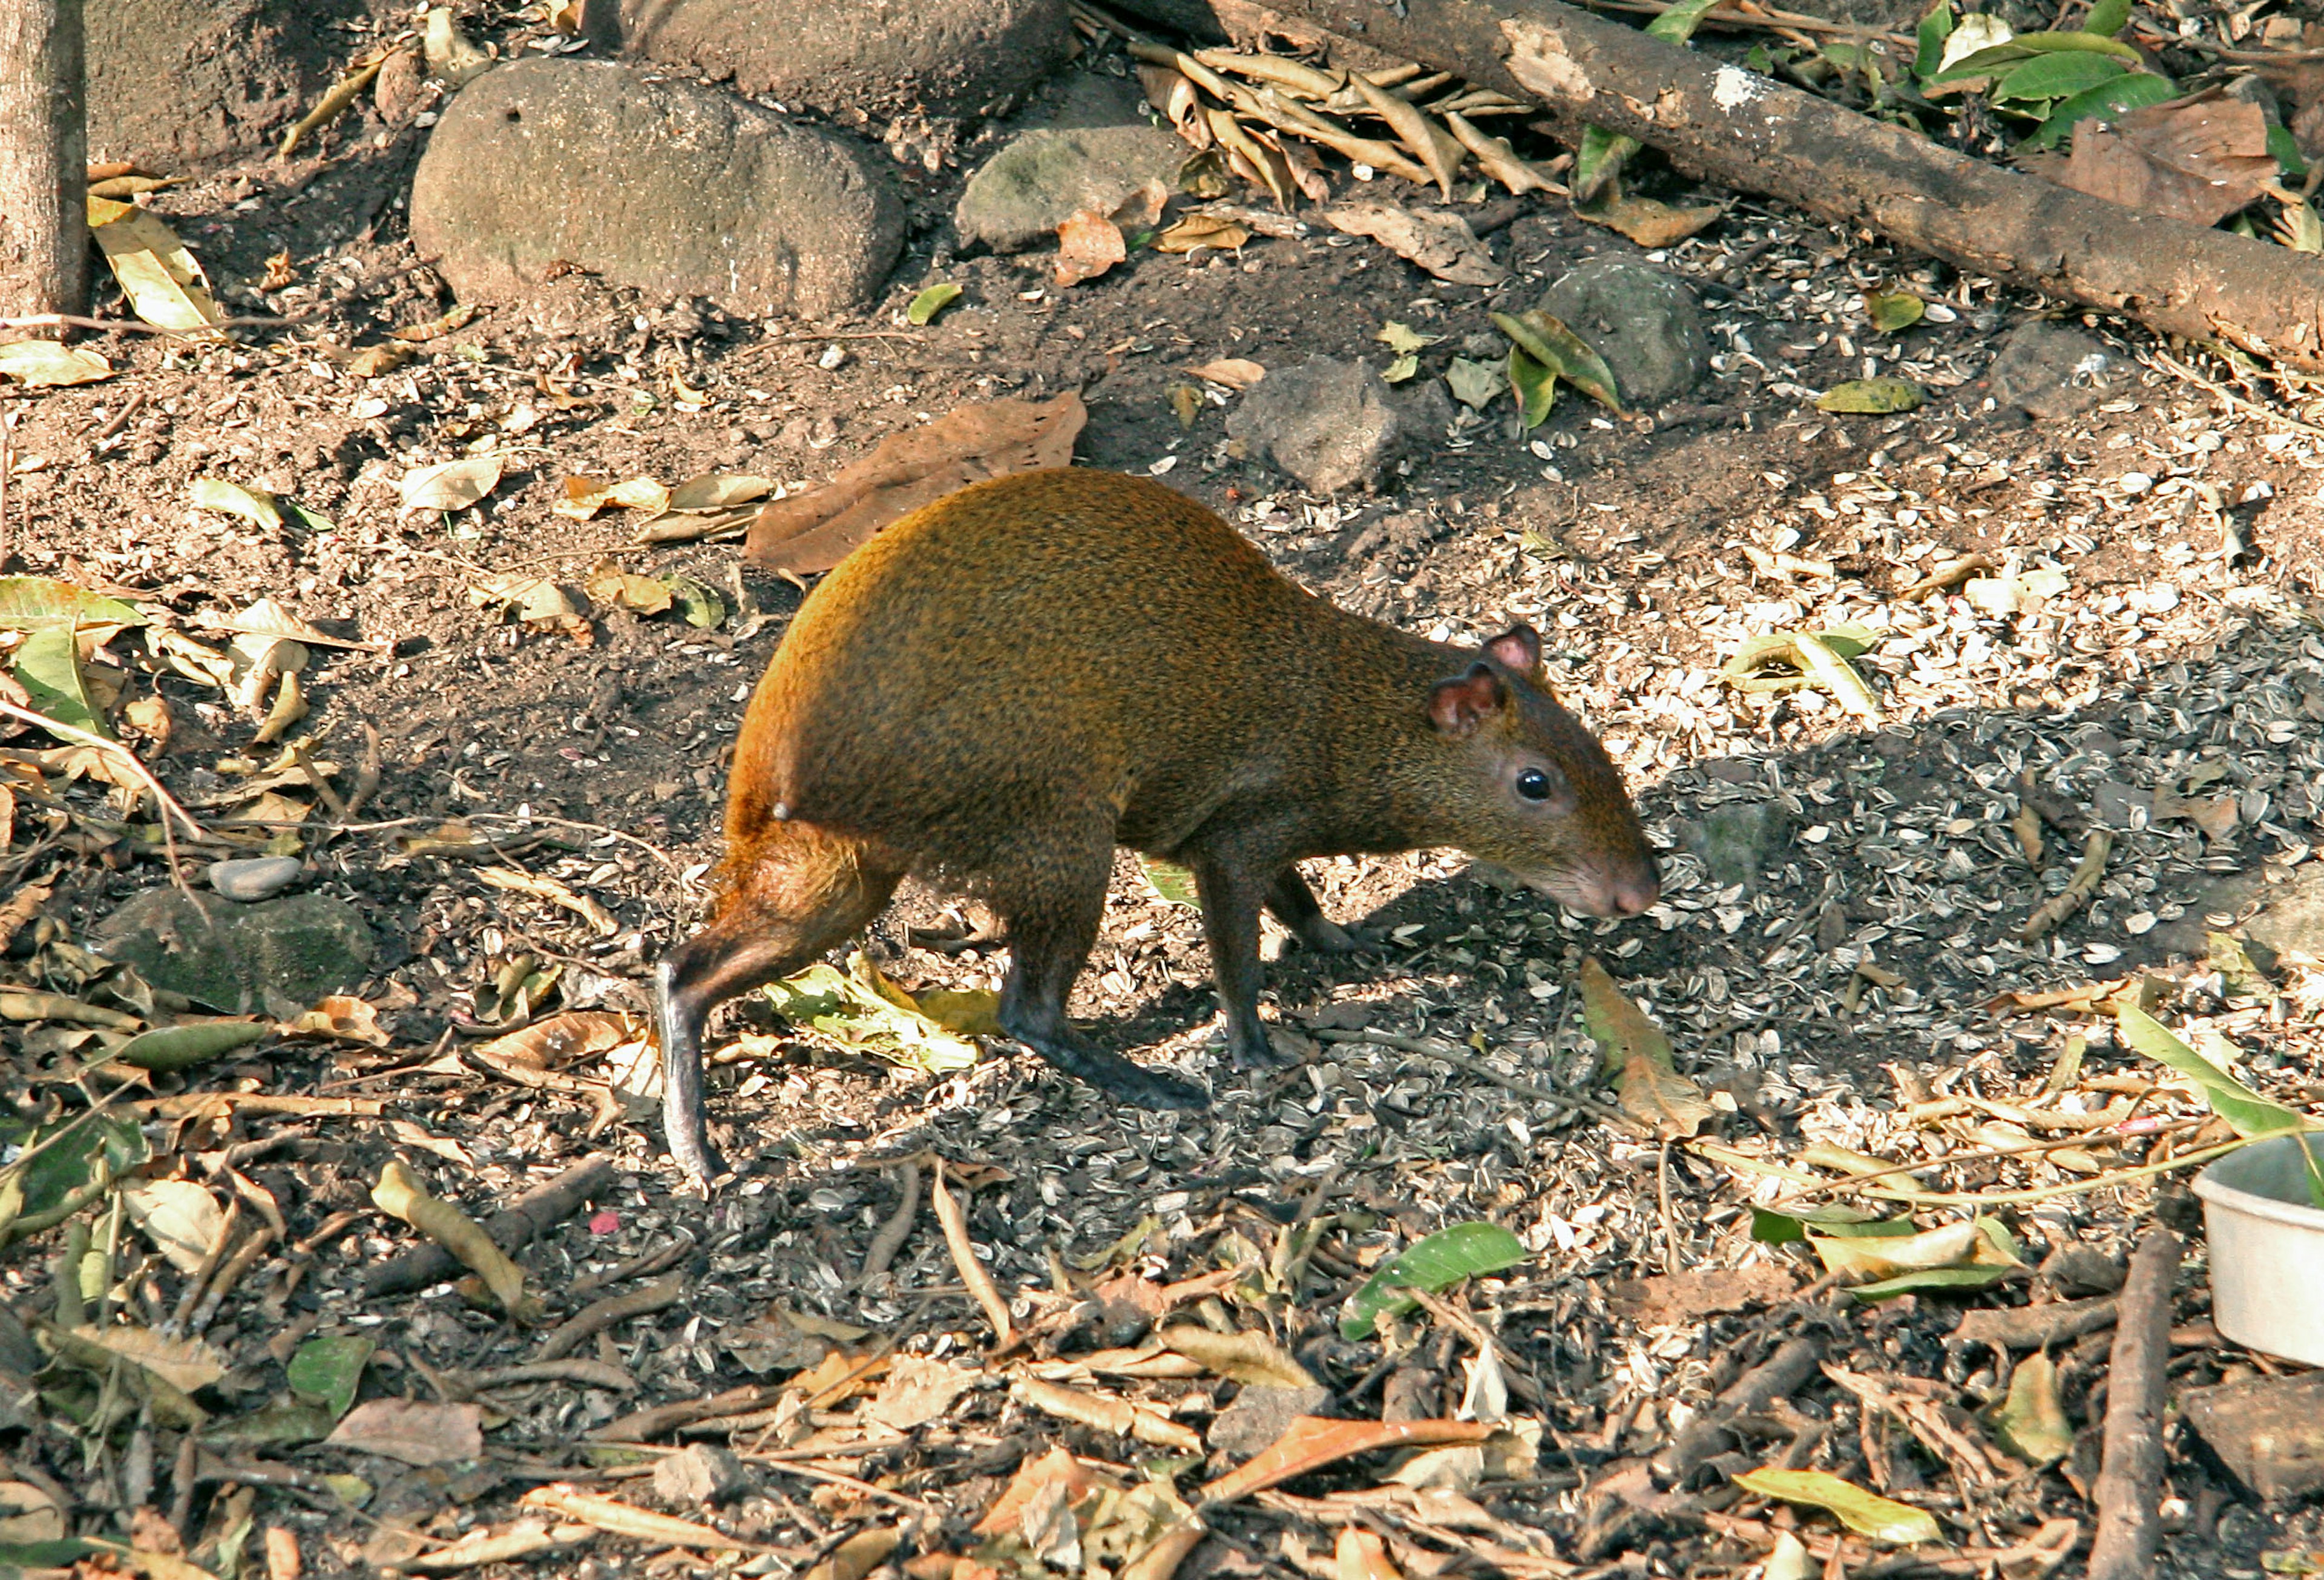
x=260, y=877
x=286, y=951
x=691, y=192
x=700, y=1474
x=1642, y=319
x=1740, y=840
x=1042, y=178
x=1333, y=424
x=2268, y=1430
x=2049, y=371
x=1259, y=1416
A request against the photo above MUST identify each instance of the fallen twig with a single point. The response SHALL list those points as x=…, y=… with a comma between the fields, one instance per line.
x=530, y=1216
x=964, y=1256
x=2077, y=892
x=614, y=1309
x=1706, y=1437
x=2130, y=1478
x=897, y=1228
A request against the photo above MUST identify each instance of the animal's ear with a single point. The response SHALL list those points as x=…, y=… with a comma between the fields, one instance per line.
x=1458, y=705
x=1517, y=649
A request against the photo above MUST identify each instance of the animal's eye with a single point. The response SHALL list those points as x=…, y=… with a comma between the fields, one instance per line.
x=1534, y=785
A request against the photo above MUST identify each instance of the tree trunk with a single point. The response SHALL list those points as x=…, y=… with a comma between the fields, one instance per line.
x=43, y=159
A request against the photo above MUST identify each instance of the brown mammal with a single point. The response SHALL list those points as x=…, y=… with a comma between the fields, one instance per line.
x=1007, y=684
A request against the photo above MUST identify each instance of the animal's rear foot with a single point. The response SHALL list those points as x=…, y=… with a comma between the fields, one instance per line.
x=1132, y=1085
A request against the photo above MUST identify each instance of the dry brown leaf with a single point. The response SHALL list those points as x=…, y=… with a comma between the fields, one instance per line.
x=814, y=531
x=1249, y=1357
x=563, y=1041
x=412, y=1431
x=1312, y=1442
x=1689, y=1296
x=918, y=1391
x=1174, y=98
x=1647, y=223
x=2198, y=158
x=627, y=1519
x=1197, y=231
x=1034, y=1476
x=1441, y=243
x=1088, y=245
x=1362, y=1556
x=1142, y=209
x=1233, y=372
x=341, y=1017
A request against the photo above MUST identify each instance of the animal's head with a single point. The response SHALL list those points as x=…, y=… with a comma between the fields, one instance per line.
x=1533, y=791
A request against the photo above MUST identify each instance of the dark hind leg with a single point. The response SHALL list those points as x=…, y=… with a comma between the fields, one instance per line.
x=1232, y=890
x=1293, y=904
x=1052, y=924
x=803, y=892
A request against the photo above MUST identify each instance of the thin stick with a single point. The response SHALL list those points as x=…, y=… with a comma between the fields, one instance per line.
x=898, y=1226
x=964, y=1254
x=169, y=802
x=2130, y=1477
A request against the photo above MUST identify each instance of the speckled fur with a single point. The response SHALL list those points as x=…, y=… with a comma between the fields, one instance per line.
x=1004, y=685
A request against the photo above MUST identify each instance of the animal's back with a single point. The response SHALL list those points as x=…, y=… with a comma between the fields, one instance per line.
x=1012, y=651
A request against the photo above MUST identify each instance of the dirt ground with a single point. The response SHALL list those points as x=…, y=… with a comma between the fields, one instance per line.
x=2165, y=665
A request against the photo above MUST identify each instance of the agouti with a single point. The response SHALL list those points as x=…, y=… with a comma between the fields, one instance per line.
x=1004, y=685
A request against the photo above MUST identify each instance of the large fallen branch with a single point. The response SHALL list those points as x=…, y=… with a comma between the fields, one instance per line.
x=1725, y=125
x=2129, y=1485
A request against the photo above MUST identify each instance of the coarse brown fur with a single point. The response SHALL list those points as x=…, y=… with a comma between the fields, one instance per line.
x=1001, y=688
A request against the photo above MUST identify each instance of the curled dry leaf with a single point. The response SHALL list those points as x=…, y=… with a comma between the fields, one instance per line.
x=1312, y=1442
x=814, y=531
x=181, y=1218
x=583, y=497
x=1441, y=243
x=1647, y=223
x=1088, y=245
x=1197, y=231
x=341, y=1017
x=401, y=1194
x=1637, y=1056
x=45, y=364
x=165, y=286
x=1174, y=100
x=1248, y=1357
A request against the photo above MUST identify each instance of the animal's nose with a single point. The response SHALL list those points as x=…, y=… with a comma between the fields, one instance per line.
x=1632, y=893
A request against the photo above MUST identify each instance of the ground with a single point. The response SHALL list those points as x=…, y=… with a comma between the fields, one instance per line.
x=1844, y=972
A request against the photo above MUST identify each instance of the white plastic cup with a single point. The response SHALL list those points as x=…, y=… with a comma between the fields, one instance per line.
x=2267, y=1248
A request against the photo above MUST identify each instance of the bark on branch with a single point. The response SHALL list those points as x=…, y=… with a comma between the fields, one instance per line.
x=1725, y=125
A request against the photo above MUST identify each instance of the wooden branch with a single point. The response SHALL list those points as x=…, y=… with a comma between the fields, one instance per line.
x=2129, y=1483
x=1726, y=125
x=515, y=1227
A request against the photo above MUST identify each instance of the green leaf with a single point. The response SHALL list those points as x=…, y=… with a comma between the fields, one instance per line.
x=1678, y=24
x=2058, y=77
x=2246, y=1111
x=1475, y=383
x=48, y=666
x=930, y=302
x=2107, y=18
x=254, y=505
x=61, y=1553
x=1865, y=1513
x=1838, y=676
x=2024, y=47
x=1544, y=336
x=2130, y=91
x=1871, y=396
x=1536, y=387
x=1791, y=1228
x=2032, y=1421
x=862, y=1012
x=183, y=1046
x=1598, y=162
x=696, y=603
x=1994, y=1254
x=1935, y=28
x=1893, y=310
x=328, y=1370
x=2281, y=144
x=1438, y=1261
x=58, y=1171
x=1170, y=882
x=31, y=603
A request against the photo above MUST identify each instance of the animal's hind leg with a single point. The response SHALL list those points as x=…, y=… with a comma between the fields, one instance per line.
x=1293, y=904
x=800, y=891
x=1053, y=916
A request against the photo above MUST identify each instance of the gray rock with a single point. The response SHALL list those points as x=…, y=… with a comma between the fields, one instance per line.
x=1041, y=178
x=1259, y=1416
x=2268, y=1430
x=860, y=61
x=259, y=877
x=172, y=82
x=2048, y=369
x=2292, y=918
x=1642, y=319
x=670, y=188
x=1332, y=425
x=700, y=1473
x=242, y=959
x=1739, y=841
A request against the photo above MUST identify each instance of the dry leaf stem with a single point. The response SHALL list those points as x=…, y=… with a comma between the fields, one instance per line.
x=2078, y=889
x=964, y=1256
